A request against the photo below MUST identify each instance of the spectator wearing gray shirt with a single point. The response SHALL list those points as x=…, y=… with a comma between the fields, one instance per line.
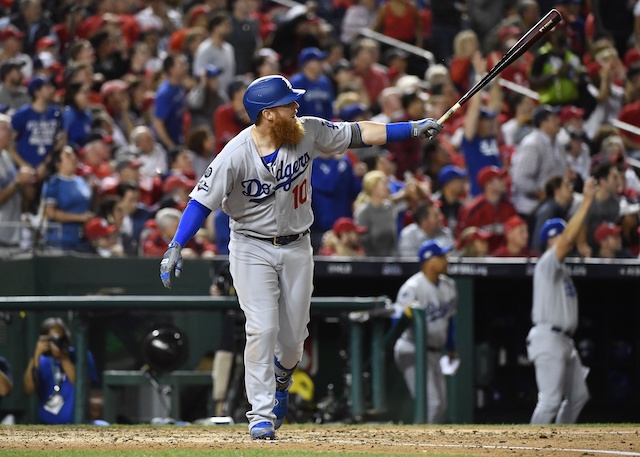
x=538, y=158
x=427, y=226
x=559, y=195
x=245, y=35
x=12, y=92
x=359, y=16
x=216, y=51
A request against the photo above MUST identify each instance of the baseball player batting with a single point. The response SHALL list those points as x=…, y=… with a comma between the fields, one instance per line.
x=433, y=291
x=262, y=181
x=562, y=390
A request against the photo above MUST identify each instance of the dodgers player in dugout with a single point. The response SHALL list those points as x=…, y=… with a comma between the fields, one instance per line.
x=262, y=181
x=560, y=376
x=432, y=290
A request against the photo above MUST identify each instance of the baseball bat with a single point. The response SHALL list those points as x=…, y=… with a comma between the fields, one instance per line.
x=534, y=35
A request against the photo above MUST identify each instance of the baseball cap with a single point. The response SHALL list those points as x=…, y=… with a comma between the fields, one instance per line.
x=631, y=57
x=432, y=248
x=174, y=182
x=45, y=42
x=552, y=227
x=11, y=32
x=512, y=223
x=487, y=113
x=111, y=86
x=346, y=224
x=212, y=71
x=352, y=111
x=394, y=53
x=198, y=11
x=542, y=112
x=44, y=59
x=37, y=82
x=489, y=172
x=470, y=234
x=9, y=65
x=606, y=229
x=127, y=161
x=449, y=173
x=569, y=111
x=98, y=135
x=308, y=54
x=507, y=31
x=98, y=227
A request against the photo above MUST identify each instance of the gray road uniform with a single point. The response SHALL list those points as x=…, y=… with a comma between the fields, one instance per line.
x=440, y=303
x=273, y=282
x=562, y=390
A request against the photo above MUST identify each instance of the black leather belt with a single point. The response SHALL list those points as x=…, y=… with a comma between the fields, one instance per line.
x=564, y=332
x=281, y=240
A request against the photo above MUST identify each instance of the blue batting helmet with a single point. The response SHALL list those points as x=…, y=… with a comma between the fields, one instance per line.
x=432, y=248
x=269, y=92
x=553, y=227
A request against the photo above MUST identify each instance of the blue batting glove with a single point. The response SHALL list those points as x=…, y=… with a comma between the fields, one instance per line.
x=171, y=262
x=425, y=128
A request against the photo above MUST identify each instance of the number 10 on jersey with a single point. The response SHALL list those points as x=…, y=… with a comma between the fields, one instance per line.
x=300, y=194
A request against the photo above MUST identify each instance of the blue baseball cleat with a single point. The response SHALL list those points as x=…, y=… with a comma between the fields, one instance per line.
x=263, y=431
x=281, y=407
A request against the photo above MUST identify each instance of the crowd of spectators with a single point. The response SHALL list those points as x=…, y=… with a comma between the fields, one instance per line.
x=112, y=109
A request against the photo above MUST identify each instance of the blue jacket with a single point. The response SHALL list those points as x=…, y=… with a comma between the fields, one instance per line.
x=335, y=187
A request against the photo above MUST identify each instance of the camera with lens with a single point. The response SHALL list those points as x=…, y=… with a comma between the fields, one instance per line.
x=61, y=341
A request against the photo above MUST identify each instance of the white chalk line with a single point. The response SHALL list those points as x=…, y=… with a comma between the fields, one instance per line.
x=471, y=446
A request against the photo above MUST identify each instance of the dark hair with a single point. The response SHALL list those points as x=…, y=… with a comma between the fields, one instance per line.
x=196, y=139
x=51, y=322
x=170, y=61
x=602, y=170
x=173, y=154
x=76, y=47
x=408, y=98
x=554, y=183
x=371, y=162
x=422, y=211
x=70, y=94
x=125, y=186
x=513, y=100
x=217, y=18
x=99, y=38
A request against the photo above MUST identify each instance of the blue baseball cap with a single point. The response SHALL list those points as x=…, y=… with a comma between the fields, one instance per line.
x=552, y=227
x=486, y=113
x=432, y=248
x=352, y=111
x=449, y=173
x=308, y=54
x=37, y=82
x=212, y=71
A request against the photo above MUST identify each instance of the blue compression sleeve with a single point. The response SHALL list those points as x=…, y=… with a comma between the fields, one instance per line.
x=398, y=131
x=192, y=219
x=451, y=335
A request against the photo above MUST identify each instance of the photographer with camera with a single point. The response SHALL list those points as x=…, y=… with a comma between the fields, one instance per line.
x=51, y=373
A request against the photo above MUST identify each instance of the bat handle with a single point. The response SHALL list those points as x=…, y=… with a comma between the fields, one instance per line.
x=449, y=113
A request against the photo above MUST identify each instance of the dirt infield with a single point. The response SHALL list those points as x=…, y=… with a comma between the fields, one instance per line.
x=468, y=440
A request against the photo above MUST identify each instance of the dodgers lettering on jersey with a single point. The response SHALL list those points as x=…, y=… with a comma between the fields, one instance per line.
x=35, y=132
x=275, y=201
x=439, y=302
x=285, y=174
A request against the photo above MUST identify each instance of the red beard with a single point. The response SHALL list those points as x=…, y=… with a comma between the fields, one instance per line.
x=287, y=130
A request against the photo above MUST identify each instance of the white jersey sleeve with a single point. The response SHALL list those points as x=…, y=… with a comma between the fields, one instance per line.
x=329, y=137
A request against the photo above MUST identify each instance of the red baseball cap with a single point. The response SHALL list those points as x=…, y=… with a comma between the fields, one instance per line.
x=198, y=11
x=606, y=229
x=174, y=182
x=489, y=172
x=346, y=224
x=513, y=222
x=45, y=42
x=631, y=57
x=98, y=227
x=111, y=86
x=507, y=31
x=570, y=111
x=470, y=234
x=11, y=32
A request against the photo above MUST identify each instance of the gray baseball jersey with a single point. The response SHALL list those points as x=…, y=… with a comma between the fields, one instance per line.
x=440, y=303
x=257, y=199
x=555, y=301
